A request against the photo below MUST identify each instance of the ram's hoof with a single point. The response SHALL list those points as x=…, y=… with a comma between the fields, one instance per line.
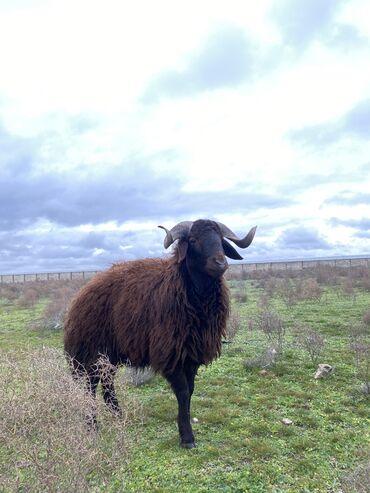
x=188, y=445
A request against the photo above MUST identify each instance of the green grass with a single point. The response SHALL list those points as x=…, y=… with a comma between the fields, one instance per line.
x=243, y=446
x=16, y=327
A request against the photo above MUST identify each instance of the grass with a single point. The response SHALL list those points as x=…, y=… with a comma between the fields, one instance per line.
x=243, y=446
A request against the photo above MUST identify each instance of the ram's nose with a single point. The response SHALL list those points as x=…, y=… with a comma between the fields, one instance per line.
x=220, y=262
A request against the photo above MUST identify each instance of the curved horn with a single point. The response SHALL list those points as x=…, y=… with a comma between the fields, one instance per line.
x=240, y=242
x=176, y=232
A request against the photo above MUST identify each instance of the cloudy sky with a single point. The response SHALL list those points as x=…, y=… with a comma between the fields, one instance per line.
x=118, y=116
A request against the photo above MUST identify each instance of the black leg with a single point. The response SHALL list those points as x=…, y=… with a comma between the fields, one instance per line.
x=109, y=393
x=190, y=372
x=90, y=380
x=180, y=386
x=93, y=380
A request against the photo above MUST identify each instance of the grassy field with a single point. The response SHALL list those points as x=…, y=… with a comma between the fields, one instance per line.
x=240, y=402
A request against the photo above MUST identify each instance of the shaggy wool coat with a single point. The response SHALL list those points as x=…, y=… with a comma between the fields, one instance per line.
x=147, y=312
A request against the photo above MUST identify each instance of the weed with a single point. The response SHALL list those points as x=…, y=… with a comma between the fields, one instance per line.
x=46, y=443
x=359, y=480
x=310, y=341
x=273, y=327
x=233, y=325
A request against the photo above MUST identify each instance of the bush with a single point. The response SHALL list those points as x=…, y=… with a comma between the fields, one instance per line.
x=310, y=341
x=288, y=292
x=359, y=480
x=348, y=289
x=29, y=296
x=311, y=290
x=47, y=445
x=366, y=317
x=233, y=325
x=360, y=348
x=240, y=294
x=59, y=294
x=273, y=328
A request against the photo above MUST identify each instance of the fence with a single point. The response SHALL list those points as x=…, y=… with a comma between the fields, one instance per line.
x=293, y=265
x=46, y=276
x=276, y=265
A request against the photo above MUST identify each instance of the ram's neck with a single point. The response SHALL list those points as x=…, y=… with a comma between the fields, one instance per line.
x=200, y=284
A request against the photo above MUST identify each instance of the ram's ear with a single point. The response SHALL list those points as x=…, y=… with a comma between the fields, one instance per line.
x=182, y=248
x=230, y=251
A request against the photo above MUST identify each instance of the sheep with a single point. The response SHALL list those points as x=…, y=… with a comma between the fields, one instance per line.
x=169, y=313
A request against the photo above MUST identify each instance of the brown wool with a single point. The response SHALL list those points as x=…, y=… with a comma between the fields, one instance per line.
x=143, y=313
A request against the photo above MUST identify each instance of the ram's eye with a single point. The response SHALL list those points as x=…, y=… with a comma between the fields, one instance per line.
x=192, y=241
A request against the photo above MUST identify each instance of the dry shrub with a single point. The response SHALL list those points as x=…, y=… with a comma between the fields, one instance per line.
x=59, y=294
x=359, y=480
x=28, y=297
x=360, y=348
x=310, y=341
x=311, y=290
x=271, y=287
x=240, y=294
x=264, y=360
x=264, y=302
x=10, y=291
x=47, y=445
x=366, y=317
x=348, y=288
x=365, y=283
x=326, y=275
x=288, y=292
x=233, y=325
x=273, y=328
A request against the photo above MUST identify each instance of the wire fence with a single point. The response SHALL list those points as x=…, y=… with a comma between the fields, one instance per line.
x=276, y=265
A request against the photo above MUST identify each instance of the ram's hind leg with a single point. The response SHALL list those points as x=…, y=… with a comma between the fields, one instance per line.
x=93, y=380
x=107, y=375
x=89, y=379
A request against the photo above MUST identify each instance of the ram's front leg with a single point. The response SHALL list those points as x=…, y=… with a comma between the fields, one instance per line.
x=180, y=386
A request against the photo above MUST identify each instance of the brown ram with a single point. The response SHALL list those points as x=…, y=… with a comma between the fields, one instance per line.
x=167, y=313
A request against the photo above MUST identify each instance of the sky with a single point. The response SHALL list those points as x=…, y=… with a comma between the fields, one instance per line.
x=116, y=117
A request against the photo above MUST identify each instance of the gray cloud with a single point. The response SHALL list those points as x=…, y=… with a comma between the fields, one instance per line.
x=347, y=197
x=132, y=192
x=360, y=224
x=346, y=38
x=301, y=238
x=116, y=196
x=226, y=60
x=363, y=234
x=303, y=21
x=74, y=250
x=354, y=124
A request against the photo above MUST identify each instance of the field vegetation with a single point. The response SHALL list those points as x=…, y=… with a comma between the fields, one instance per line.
x=263, y=422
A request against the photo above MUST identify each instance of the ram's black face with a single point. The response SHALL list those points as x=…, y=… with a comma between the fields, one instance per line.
x=202, y=245
x=204, y=249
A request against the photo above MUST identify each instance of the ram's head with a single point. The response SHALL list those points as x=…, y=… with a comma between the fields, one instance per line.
x=203, y=244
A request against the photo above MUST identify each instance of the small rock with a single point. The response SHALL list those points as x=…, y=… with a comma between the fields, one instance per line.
x=263, y=372
x=323, y=371
x=287, y=421
x=195, y=420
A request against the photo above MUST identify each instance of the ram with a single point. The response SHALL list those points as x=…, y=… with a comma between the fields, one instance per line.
x=168, y=313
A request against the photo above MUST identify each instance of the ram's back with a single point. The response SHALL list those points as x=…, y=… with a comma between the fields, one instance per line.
x=120, y=313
